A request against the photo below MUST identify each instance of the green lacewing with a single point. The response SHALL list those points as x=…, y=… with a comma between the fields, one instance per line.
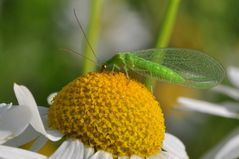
x=186, y=67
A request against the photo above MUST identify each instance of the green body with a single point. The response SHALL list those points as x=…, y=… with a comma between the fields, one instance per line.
x=187, y=67
x=144, y=67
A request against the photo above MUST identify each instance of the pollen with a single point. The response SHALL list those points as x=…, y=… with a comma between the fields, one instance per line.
x=109, y=112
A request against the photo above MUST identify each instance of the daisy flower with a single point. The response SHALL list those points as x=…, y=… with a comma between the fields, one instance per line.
x=101, y=116
x=228, y=148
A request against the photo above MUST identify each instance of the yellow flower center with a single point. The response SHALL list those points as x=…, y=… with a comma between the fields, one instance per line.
x=109, y=112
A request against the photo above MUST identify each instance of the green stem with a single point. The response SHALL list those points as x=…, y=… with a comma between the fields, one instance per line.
x=92, y=35
x=166, y=30
x=167, y=24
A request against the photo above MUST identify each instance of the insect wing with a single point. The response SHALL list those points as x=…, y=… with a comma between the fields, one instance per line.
x=198, y=69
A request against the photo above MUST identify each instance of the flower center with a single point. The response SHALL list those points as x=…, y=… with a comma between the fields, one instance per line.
x=109, y=112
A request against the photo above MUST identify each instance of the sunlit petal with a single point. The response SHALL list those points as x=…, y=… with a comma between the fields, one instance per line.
x=25, y=98
x=233, y=75
x=16, y=153
x=174, y=146
x=29, y=135
x=39, y=143
x=101, y=155
x=226, y=90
x=13, y=122
x=50, y=98
x=205, y=107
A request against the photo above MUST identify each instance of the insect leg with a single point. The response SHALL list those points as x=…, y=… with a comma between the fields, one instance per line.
x=126, y=71
x=115, y=67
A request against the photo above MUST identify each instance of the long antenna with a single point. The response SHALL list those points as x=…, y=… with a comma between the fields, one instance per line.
x=77, y=53
x=81, y=27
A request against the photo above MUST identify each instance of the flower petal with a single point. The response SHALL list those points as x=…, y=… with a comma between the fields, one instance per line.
x=233, y=75
x=163, y=155
x=136, y=157
x=26, y=99
x=228, y=148
x=4, y=108
x=39, y=143
x=174, y=146
x=51, y=97
x=229, y=91
x=13, y=122
x=65, y=148
x=70, y=149
x=29, y=135
x=16, y=153
x=205, y=107
x=101, y=155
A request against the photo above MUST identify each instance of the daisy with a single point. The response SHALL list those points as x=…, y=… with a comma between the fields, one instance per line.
x=228, y=148
x=101, y=116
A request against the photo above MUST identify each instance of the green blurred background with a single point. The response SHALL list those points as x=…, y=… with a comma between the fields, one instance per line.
x=33, y=34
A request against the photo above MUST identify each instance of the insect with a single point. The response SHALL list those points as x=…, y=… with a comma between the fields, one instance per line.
x=175, y=65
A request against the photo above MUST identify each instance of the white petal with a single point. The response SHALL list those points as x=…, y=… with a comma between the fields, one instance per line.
x=16, y=153
x=51, y=97
x=4, y=108
x=205, y=107
x=88, y=152
x=123, y=157
x=229, y=91
x=174, y=146
x=136, y=157
x=101, y=155
x=13, y=122
x=164, y=155
x=228, y=148
x=70, y=149
x=29, y=135
x=44, y=116
x=25, y=98
x=233, y=75
x=64, y=149
x=39, y=143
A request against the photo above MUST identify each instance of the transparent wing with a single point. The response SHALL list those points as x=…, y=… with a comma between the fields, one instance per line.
x=198, y=69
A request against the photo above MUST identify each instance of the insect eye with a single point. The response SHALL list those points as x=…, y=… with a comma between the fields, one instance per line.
x=103, y=67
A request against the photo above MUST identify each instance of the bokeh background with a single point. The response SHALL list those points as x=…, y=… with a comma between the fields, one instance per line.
x=33, y=34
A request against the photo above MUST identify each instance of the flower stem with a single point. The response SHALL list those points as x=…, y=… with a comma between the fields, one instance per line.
x=165, y=31
x=92, y=36
x=167, y=24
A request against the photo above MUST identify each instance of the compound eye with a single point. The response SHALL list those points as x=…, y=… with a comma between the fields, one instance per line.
x=103, y=67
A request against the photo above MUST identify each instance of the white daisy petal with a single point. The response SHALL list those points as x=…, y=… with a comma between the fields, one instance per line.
x=228, y=148
x=39, y=143
x=174, y=146
x=229, y=91
x=44, y=116
x=16, y=153
x=13, y=122
x=136, y=157
x=88, y=152
x=29, y=135
x=205, y=107
x=101, y=155
x=64, y=149
x=164, y=155
x=25, y=98
x=4, y=108
x=233, y=75
x=123, y=157
x=51, y=97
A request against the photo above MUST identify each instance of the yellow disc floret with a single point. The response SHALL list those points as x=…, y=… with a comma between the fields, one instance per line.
x=109, y=112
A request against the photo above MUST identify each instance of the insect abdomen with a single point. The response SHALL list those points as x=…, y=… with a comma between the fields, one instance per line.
x=152, y=69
